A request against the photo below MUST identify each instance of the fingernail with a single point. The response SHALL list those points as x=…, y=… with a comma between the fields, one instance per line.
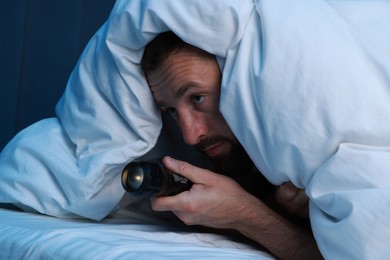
x=168, y=160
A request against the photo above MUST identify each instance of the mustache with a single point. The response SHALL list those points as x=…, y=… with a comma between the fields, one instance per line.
x=208, y=141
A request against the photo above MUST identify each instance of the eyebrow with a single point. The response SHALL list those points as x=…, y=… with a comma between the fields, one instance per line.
x=179, y=93
x=183, y=89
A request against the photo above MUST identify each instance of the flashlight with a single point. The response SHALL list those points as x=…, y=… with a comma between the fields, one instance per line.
x=150, y=179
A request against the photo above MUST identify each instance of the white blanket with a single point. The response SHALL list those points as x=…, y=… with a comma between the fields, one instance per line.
x=309, y=80
x=31, y=236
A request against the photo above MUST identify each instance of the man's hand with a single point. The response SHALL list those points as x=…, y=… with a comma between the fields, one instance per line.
x=294, y=200
x=214, y=200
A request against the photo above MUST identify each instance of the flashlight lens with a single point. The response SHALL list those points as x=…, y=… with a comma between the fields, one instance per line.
x=136, y=177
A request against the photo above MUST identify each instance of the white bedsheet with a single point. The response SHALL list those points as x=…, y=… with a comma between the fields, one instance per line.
x=32, y=236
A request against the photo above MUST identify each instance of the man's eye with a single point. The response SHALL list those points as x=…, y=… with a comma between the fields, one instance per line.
x=198, y=99
x=171, y=111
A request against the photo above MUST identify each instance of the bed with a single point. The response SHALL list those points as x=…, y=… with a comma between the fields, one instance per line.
x=119, y=236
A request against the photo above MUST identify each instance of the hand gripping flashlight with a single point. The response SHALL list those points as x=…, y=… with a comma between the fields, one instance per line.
x=150, y=179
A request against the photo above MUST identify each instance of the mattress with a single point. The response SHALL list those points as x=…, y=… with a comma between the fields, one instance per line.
x=35, y=236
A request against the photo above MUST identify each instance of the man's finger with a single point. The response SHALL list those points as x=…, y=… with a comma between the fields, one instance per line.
x=189, y=171
x=286, y=193
x=294, y=200
x=166, y=203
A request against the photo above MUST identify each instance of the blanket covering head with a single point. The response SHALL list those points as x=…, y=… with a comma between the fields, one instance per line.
x=309, y=80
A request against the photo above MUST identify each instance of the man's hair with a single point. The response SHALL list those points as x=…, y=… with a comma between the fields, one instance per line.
x=159, y=49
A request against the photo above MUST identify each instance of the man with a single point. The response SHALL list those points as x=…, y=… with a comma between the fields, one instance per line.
x=185, y=82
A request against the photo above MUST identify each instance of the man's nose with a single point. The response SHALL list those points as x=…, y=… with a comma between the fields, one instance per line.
x=193, y=127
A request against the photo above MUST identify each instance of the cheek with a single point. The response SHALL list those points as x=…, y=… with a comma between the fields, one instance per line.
x=220, y=125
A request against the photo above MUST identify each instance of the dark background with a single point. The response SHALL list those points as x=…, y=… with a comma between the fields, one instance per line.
x=40, y=43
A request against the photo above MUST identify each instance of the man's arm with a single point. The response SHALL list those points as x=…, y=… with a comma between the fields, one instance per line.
x=281, y=237
x=219, y=202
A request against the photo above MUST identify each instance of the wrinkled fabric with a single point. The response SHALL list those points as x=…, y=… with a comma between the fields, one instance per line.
x=314, y=95
x=309, y=80
x=31, y=236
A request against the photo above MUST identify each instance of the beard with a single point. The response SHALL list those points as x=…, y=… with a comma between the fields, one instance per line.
x=234, y=163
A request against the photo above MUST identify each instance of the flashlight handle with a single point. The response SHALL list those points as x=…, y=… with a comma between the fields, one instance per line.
x=175, y=184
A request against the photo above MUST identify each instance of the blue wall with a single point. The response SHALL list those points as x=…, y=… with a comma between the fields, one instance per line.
x=40, y=43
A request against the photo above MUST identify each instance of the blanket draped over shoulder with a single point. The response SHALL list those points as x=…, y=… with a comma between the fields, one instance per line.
x=309, y=80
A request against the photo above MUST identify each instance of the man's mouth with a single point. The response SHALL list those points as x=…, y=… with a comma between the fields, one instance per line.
x=214, y=149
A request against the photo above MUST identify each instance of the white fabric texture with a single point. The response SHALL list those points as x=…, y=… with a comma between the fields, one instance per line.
x=313, y=90
x=31, y=236
x=309, y=80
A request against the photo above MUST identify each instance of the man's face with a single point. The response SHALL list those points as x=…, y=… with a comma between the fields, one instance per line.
x=187, y=86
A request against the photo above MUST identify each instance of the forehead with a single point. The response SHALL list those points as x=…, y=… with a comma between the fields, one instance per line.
x=185, y=68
